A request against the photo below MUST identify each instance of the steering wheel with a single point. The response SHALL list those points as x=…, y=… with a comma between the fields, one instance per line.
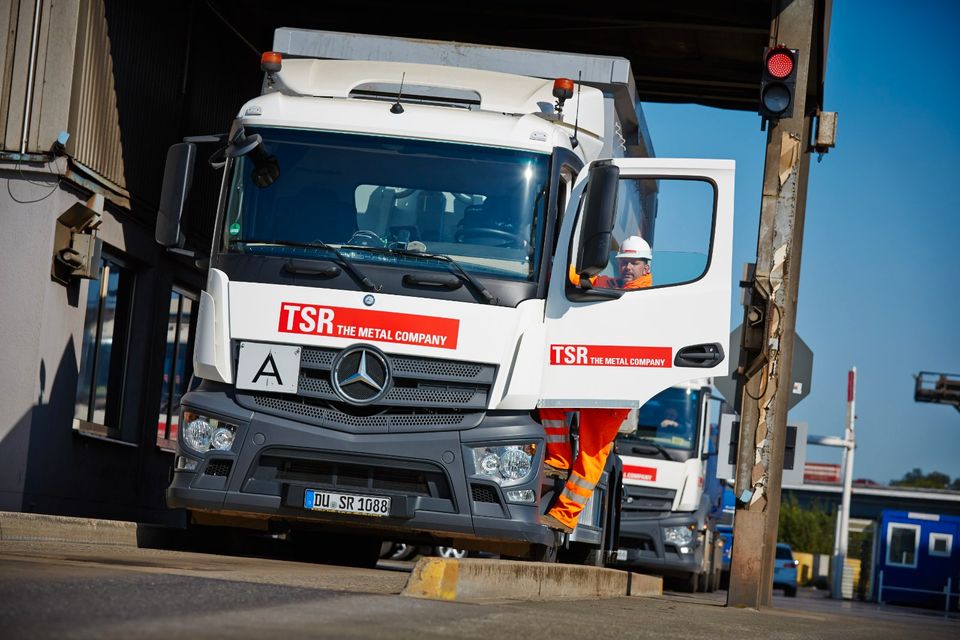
x=366, y=238
x=504, y=238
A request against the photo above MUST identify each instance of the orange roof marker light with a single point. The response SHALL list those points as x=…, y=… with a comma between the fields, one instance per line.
x=271, y=61
x=562, y=91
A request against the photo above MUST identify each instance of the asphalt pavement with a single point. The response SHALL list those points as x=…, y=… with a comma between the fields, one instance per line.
x=68, y=590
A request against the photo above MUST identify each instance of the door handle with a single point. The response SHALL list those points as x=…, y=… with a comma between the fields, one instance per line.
x=703, y=356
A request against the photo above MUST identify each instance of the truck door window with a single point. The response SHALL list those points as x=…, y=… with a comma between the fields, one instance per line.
x=661, y=236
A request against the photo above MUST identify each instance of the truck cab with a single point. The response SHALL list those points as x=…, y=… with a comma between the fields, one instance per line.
x=388, y=301
x=672, y=500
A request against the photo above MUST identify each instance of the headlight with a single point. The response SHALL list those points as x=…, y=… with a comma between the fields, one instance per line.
x=679, y=536
x=509, y=463
x=202, y=434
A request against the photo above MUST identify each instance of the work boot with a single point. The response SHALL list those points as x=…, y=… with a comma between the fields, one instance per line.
x=556, y=472
x=549, y=521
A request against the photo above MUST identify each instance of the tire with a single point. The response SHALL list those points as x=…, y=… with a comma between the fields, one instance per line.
x=400, y=551
x=790, y=592
x=690, y=584
x=703, y=582
x=712, y=580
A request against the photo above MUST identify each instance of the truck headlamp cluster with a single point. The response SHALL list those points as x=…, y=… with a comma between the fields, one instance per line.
x=508, y=463
x=679, y=536
x=201, y=434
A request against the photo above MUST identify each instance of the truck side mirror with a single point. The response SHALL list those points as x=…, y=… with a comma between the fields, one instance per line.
x=599, y=214
x=177, y=180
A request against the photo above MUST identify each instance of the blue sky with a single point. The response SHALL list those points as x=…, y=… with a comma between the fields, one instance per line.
x=879, y=282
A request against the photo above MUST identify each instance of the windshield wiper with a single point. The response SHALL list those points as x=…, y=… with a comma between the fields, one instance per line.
x=319, y=244
x=647, y=442
x=453, y=264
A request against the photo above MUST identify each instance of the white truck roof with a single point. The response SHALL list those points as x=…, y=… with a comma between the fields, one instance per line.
x=493, y=91
x=610, y=74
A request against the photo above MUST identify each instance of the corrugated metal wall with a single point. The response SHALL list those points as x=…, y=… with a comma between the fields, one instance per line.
x=94, y=120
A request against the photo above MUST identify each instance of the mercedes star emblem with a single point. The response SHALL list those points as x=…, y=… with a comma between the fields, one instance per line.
x=360, y=375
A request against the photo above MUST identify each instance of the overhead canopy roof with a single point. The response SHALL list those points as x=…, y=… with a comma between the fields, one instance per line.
x=700, y=51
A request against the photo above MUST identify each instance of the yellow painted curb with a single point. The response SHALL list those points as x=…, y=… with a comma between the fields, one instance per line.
x=485, y=579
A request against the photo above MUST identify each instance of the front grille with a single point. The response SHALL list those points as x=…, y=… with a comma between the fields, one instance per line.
x=642, y=502
x=484, y=493
x=219, y=468
x=414, y=479
x=425, y=394
x=377, y=423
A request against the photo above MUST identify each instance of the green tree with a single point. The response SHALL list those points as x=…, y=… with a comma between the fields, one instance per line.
x=808, y=529
x=917, y=478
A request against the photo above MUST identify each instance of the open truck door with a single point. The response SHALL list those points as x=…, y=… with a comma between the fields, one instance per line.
x=609, y=343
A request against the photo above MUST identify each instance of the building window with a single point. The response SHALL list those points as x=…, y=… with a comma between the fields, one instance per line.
x=177, y=364
x=941, y=544
x=103, y=356
x=902, y=543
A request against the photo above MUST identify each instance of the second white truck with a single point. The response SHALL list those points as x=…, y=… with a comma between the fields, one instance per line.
x=672, y=499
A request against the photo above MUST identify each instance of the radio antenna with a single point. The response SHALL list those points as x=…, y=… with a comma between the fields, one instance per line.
x=397, y=107
x=576, y=117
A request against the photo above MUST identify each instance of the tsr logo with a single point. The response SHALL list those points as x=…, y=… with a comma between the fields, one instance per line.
x=568, y=354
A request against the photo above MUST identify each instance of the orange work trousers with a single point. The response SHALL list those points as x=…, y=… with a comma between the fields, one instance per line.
x=598, y=429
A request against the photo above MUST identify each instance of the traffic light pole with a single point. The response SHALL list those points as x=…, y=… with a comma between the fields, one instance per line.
x=763, y=420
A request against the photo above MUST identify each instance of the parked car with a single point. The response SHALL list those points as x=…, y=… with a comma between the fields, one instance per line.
x=785, y=570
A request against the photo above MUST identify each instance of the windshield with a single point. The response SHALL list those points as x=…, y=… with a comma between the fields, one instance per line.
x=668, y=420
x=481, y=206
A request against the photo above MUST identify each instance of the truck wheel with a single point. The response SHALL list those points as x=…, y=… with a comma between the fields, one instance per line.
x=703, y=581
x=690, y=584
x=711, y=581
x=790, y=592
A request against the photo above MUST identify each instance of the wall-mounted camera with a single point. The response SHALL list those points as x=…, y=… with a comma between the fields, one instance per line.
x=76, y=247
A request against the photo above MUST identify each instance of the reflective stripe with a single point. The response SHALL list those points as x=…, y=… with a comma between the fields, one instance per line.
x=554, y=424
x=574, y=497
x=581, y=483
x=558, y=439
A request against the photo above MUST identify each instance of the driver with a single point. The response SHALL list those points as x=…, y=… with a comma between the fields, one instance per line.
x=633, y=265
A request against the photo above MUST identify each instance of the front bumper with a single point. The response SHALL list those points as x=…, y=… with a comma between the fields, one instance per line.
x=427, y=475
x=642, y=546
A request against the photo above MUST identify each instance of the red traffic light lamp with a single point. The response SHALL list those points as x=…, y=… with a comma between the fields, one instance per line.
x=778, y=82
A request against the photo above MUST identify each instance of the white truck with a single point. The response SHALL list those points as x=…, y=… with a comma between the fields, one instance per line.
x=388, y=300
x=672, y=499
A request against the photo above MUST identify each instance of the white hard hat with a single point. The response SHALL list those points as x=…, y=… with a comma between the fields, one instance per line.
x=635, y=247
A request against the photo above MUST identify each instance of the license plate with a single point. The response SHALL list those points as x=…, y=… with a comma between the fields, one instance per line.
x=378, y=506
x=268, y=367
x=621, y=554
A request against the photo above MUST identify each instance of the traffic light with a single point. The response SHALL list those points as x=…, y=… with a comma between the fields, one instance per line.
x=778, y=82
